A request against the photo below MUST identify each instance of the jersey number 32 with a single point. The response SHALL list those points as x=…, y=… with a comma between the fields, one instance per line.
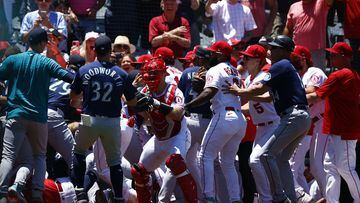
x=101, y=91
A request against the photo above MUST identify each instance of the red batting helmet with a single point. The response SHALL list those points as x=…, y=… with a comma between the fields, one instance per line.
x=153, y=72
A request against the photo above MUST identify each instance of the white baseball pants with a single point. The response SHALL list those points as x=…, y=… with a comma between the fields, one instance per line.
x=340, y=160
x=222, y=137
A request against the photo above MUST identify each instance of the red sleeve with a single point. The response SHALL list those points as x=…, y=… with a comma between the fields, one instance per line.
x=330, y=85
x=185, y=23
x=153, y=30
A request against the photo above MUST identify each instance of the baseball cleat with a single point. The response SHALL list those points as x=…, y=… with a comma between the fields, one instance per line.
x=15, y=194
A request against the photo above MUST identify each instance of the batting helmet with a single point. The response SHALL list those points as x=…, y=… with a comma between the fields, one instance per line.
x=153, y=72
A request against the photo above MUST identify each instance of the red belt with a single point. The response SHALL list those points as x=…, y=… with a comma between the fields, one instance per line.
x=265, y=123
x=317, y=118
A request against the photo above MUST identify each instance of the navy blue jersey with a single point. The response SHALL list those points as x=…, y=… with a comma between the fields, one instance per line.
x=59, y=95
x=102, y=84
x=189, y=94
x=286, y=86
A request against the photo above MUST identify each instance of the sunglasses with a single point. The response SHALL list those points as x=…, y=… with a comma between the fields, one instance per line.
x=246, y=58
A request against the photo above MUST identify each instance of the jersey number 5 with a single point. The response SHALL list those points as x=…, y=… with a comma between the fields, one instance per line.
x=101, y=91
x=259, y=109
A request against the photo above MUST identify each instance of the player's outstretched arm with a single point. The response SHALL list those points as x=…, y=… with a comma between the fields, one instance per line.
x=205, y=96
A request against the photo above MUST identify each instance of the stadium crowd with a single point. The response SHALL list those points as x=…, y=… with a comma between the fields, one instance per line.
x=253, y=101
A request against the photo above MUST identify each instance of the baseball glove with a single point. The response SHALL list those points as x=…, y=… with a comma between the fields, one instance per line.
x=143, y=102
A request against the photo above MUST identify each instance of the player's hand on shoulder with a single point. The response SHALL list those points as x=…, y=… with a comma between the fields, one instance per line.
x=231, y=88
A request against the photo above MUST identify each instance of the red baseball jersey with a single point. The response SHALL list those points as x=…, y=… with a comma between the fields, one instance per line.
x=342, y=111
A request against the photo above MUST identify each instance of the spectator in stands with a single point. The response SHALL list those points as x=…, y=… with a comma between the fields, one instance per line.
x=52, y=50
x=169, y=29
x=87, y=49
x=71, y=19
x=189, y=9
x=306, y=24
x=126, y=63
x=44, y=18
x=264, y=23
x=86, y=14
x=231, y=19
x=281, y=17
x=352, y=28
x=123, y=45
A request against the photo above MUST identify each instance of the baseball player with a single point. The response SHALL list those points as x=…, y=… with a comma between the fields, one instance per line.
x=263, y=115
x=162, y=107
x=102, y=85
x=291, y=105
x=341, y=122
x=59, y=136
x=312, y=78
x=28, y=75
x=227, y=126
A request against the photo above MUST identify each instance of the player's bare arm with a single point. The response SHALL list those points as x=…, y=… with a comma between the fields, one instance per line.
x=266, y=97
x=254, y=90
x=245, y=108
x=204, y=97
x=312, y=98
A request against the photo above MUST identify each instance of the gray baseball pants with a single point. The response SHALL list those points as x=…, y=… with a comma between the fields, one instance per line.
x=16, y=131
x=278, y=149
x=60, y=136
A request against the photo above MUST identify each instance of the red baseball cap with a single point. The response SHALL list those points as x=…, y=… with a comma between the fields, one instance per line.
x=254, y=51
x=221, y=46
x=188, y=57
x=303, y=51
x=164, y=53
x=143, y=59
x=341, y=48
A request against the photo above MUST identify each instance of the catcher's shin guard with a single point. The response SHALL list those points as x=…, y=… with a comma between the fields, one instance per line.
x=142, y=183
x=187, y=183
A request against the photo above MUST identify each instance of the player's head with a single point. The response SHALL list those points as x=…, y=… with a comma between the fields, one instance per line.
x=153, y=73
x=202, y=57
x=281, y=48
x=301, y=59
x=103, y=46
x=254, y=58
x=166, y=54
x=220, y=52
x=38, y=39
x=340, y=55
x=188, y=59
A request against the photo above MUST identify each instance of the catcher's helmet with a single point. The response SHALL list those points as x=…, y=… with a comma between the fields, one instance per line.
x=153, y=72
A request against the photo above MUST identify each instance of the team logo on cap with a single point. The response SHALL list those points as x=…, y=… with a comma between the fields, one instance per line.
x=267, y=77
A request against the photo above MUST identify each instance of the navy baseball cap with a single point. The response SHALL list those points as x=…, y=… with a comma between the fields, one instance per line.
x=103, y=44
x=37, y=35
x=76, y=60
x=284, y=42
x=202, y=53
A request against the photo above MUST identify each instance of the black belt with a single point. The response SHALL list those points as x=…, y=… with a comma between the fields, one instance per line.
x=265, y=123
